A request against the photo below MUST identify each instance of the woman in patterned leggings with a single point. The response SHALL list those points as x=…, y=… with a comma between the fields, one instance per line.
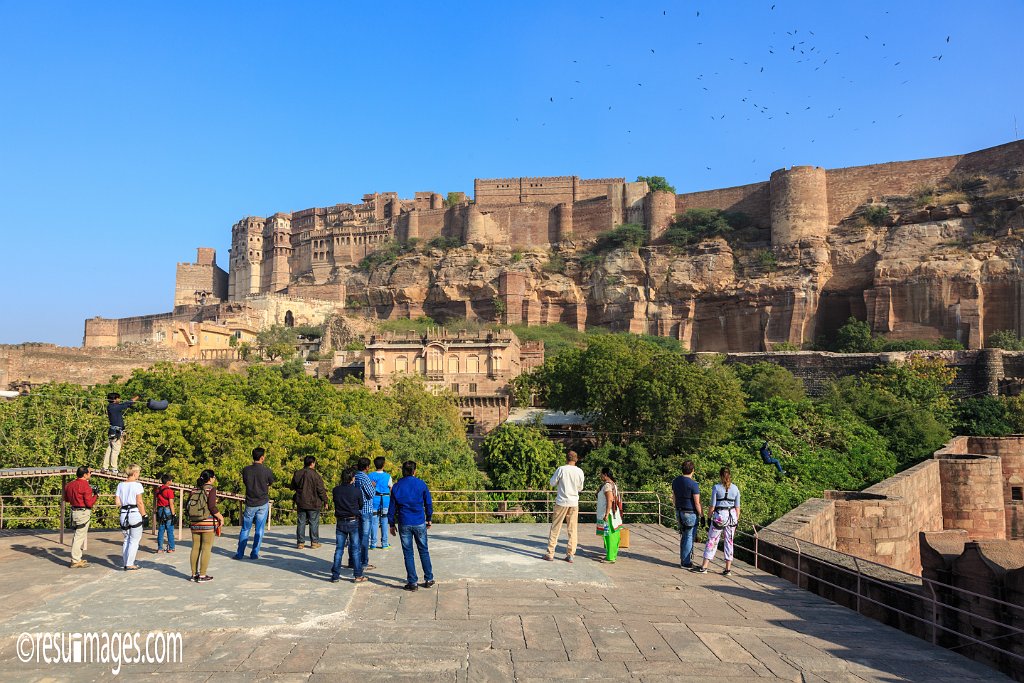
x=725, y=503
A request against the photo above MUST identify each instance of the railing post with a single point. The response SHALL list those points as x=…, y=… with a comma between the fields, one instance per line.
x=181, y=511
x=757, y=549
x=799, y=562
x=474, y=507
x=63, y=483
x=857, y=565
x=935, y=613
x=1, y=512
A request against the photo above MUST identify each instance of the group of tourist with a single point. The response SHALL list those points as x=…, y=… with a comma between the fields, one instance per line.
x=363, y=500
x=725, y=514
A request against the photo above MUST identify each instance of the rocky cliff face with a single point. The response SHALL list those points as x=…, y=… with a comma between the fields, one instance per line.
x=934, y=271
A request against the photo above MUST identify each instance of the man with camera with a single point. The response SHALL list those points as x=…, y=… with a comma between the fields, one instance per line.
x=81, y=496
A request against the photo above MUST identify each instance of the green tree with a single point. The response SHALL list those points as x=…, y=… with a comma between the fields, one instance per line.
x=854, y=337
x=627, y=235
x=764, y=381
x=520, y=457
x=277, y=341
x=907, y=403
x=656, y=183
x=983, y=416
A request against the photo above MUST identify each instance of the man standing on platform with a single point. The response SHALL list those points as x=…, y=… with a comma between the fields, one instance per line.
x=569, y=480
x=81, y=497
x=115, y=431
x=368, y=496
x=409, y=517
x=686, y=497
x=310, y=499
x=257, y=478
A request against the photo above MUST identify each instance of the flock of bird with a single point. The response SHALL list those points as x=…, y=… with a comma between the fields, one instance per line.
x=783, y=52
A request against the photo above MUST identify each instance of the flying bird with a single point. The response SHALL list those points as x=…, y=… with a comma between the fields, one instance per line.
x=947, y=39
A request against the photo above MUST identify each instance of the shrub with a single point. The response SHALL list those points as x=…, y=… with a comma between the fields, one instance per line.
x=386, y=253
x=444, y=243
x=628, y=235
x=700, y=224
x=555, y=264
x=877, y=214
x=1005, y=339
x=517, y=256
x=984, y=416
x=766, y=259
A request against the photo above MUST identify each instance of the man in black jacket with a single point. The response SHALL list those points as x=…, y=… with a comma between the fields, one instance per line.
x=310, y=499
x=257, y=478
x=115, y=430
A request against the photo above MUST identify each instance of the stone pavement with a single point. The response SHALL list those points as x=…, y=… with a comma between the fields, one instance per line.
x=497, y=613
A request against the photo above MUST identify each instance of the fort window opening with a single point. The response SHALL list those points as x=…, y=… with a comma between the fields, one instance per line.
x=289, y=319
x=473, y=364
x=401, y=364
x=1017, y=493
x=453, y=365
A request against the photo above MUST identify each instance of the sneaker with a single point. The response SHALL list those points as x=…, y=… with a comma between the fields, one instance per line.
x=335, y=579
x=427, y=584
x=236, y=557
x=699, y=570
x=194, y=578
x=203, y=579
x=410, y=587
x=547, y=557
x=314, y=545
x=726, y=572
x=254, y=557
x=568, y=558
x=300, y=546
x=686, y=566
x=171, y=550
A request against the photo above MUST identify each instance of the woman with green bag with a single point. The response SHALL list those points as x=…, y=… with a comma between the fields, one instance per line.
x=609, y=515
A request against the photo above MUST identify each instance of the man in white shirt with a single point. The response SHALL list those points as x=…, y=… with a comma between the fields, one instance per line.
x=569, y=480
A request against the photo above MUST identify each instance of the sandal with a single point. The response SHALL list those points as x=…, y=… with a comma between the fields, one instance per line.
x=359, y=579
x=132, y=568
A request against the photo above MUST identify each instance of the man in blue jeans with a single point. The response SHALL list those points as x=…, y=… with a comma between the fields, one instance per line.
x=409, y=517
x=257, y=478
x=368, y=496
x=348, y=501
x=686, y=498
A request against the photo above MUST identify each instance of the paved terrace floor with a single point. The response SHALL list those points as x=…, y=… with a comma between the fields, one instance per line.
x=497, y=613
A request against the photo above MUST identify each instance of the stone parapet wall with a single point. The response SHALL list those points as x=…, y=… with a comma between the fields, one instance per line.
x=43, y=363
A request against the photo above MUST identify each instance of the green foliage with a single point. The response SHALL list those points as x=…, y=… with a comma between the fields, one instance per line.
x=635, y=468
x=906, y=403
x=701, y=224
x=877, y=214
x=627, y=235
x=454, y=198
x=764, y=381
x=517, y=256
x=983, y=416
x=444, y=243
x=1014, y=413
x=786, y=346
x=1005, y=339
x=637, y=391
x=277, y=341
x=355, y=345
x=216, y=418
x=499, y=306
x=855, y=337
x=520, y=457
x=387, y=252
x=309, y=331
x=555, y=263
x=766, y=259
x=590, y=260
x=656, y=183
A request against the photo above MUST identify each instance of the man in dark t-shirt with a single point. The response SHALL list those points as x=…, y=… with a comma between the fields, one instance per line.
x=257, y=478
x=348, y=510
x=115, y=430
x=686, y=498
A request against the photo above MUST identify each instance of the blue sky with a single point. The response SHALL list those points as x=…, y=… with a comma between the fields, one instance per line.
x=131, y=133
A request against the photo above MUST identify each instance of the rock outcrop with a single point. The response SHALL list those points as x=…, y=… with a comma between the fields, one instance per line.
x=953, y=270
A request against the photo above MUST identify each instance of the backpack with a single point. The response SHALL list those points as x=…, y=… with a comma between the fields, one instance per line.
x=198, y=505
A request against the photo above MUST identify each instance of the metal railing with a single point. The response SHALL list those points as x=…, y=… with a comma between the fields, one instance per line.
x=866, y=575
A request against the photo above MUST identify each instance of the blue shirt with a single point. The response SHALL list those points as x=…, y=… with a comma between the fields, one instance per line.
x=684, y=489
x=411, y=503
x=383, y=482
x=367, y=489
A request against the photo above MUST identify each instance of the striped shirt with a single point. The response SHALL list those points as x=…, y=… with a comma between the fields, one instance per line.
x=369, y=492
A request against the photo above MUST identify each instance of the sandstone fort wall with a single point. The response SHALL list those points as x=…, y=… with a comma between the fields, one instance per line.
x=42, y=363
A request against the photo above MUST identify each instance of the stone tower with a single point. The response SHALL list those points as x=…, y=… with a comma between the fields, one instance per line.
x=799, y=204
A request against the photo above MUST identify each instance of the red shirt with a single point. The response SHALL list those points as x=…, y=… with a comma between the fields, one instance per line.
x=164, y=496
x=79, y=494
